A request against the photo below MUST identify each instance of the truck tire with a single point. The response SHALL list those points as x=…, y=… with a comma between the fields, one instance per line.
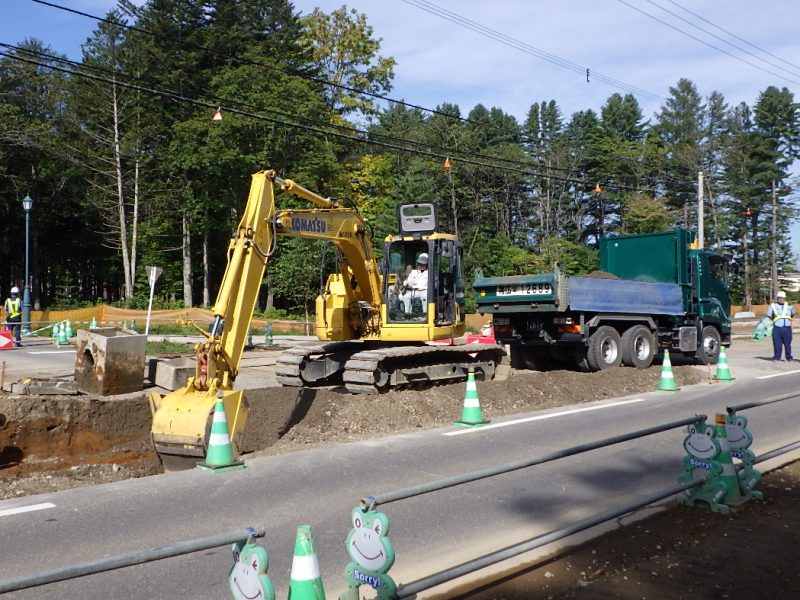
x=638, y=347
x=605, y=349
x=708, y=349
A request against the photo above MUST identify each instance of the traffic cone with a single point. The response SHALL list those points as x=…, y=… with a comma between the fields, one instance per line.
x=62, y=334
x=68, y=331
x=133, y=324
x=305, y=581
x=733, y=495
x=723, y=371
x=667, y=383
x=219, y=456
x=93, y=324
x=56, y=330
x=471, y=415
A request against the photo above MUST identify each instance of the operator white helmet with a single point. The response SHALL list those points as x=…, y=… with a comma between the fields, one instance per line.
x=15, y=290
x=780, y=295
x=422, y=259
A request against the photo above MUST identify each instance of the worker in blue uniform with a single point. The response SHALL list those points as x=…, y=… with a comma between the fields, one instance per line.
x=781, y=314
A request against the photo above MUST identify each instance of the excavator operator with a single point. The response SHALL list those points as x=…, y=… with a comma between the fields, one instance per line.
x=416, y=285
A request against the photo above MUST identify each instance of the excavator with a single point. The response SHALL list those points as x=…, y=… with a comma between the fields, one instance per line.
x=374, y=334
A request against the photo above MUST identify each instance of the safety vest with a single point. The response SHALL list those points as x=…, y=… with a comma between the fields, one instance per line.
x=781, y=311
x=12, y=307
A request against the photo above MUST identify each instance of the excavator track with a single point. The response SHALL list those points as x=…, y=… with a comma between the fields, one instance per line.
x=375, y=369
x=317, y=364
x=378, y=370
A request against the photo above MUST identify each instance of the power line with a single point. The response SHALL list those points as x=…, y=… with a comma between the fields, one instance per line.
x=360, y=133
x=705, y=43
x=497, y=36
x=290, y=72
x=733, y=35
x=723, y=40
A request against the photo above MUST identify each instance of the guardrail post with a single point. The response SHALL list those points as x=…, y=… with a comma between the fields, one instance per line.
x=371, y=554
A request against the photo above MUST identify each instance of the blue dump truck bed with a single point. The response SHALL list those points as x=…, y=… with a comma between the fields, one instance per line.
x=593, y=294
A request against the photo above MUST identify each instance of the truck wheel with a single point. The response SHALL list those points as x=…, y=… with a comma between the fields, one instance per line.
x=638, y=347
x=708, y=350
x=605, y=349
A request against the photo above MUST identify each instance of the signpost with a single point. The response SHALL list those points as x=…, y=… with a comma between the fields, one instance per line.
x=152, y=276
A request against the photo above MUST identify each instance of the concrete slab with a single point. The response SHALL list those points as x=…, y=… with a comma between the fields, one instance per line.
x=109, y=361
x=173, y=373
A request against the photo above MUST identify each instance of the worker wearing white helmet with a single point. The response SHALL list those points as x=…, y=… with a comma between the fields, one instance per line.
x=13, y=309
x=781, y=313
x=416, y=284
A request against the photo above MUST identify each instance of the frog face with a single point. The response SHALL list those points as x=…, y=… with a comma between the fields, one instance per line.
x=367, y=543
x=736, y=431
x=700, y=442
x=247, y=579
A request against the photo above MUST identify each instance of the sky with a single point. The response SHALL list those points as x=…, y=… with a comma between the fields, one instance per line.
x=440, y=61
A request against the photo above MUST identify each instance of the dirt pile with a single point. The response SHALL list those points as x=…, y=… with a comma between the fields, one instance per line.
x=283, y=419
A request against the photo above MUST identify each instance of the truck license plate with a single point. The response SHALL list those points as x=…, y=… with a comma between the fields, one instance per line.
x=524, y=289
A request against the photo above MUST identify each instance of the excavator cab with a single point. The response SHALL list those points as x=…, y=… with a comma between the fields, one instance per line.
x=424, y=271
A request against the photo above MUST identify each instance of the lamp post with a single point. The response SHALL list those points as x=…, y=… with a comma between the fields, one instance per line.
x=27, y=205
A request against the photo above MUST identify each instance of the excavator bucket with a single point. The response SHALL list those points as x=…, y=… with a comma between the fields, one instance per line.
x=182, y=420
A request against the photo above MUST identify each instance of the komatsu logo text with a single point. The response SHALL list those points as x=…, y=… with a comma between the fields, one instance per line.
x=312, y=225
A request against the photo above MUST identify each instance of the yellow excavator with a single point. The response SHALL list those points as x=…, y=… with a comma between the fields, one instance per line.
x=372, y=328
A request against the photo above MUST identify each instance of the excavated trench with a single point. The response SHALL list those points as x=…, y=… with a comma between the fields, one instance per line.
x=55, y=442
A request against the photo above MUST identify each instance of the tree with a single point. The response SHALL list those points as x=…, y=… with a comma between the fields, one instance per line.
x=342, y=48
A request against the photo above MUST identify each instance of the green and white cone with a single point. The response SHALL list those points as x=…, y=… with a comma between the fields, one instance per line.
x=733, y=495
x=305, y=581
x=219, y=456
x=667, y=383
x=93, y=324
x=471, y=414
x=56, y=333
x=723, y=371
x=62, y=334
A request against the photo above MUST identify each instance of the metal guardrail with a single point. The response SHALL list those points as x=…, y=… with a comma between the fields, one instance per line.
x=733, y=409
x=129, y=559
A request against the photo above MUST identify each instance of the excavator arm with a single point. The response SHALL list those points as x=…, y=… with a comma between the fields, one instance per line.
x=181, y=419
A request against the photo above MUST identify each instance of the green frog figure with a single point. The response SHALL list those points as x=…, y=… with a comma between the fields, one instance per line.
x=371, y=553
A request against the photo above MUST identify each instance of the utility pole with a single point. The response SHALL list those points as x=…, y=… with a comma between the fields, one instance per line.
x=700, y=215
x=774, y=245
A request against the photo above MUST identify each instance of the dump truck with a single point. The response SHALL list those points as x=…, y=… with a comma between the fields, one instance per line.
x=654, y=292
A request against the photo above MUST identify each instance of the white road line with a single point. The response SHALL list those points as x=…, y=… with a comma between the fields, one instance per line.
x=779, y=374
x=53, y=352
x=543, y=417
x=23, y=509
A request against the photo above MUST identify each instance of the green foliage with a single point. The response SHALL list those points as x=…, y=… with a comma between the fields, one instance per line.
x=168, y=347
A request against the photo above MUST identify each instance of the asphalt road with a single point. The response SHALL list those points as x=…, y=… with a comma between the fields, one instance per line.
x=430, y=532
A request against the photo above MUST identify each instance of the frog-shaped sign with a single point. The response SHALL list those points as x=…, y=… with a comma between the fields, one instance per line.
x=739, y=439
x=248, y=578
x=703, y=450
x=371, y=553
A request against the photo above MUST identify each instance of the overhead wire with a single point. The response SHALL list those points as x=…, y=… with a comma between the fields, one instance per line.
x=721, y=39
x=291, y=72
x=704, y=42
x=357, y=134
x=309, y=128
x=733, y=35
x=507, y=40
x=229, y=57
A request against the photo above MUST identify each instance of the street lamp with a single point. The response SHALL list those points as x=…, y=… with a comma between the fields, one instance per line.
x=27, y=205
